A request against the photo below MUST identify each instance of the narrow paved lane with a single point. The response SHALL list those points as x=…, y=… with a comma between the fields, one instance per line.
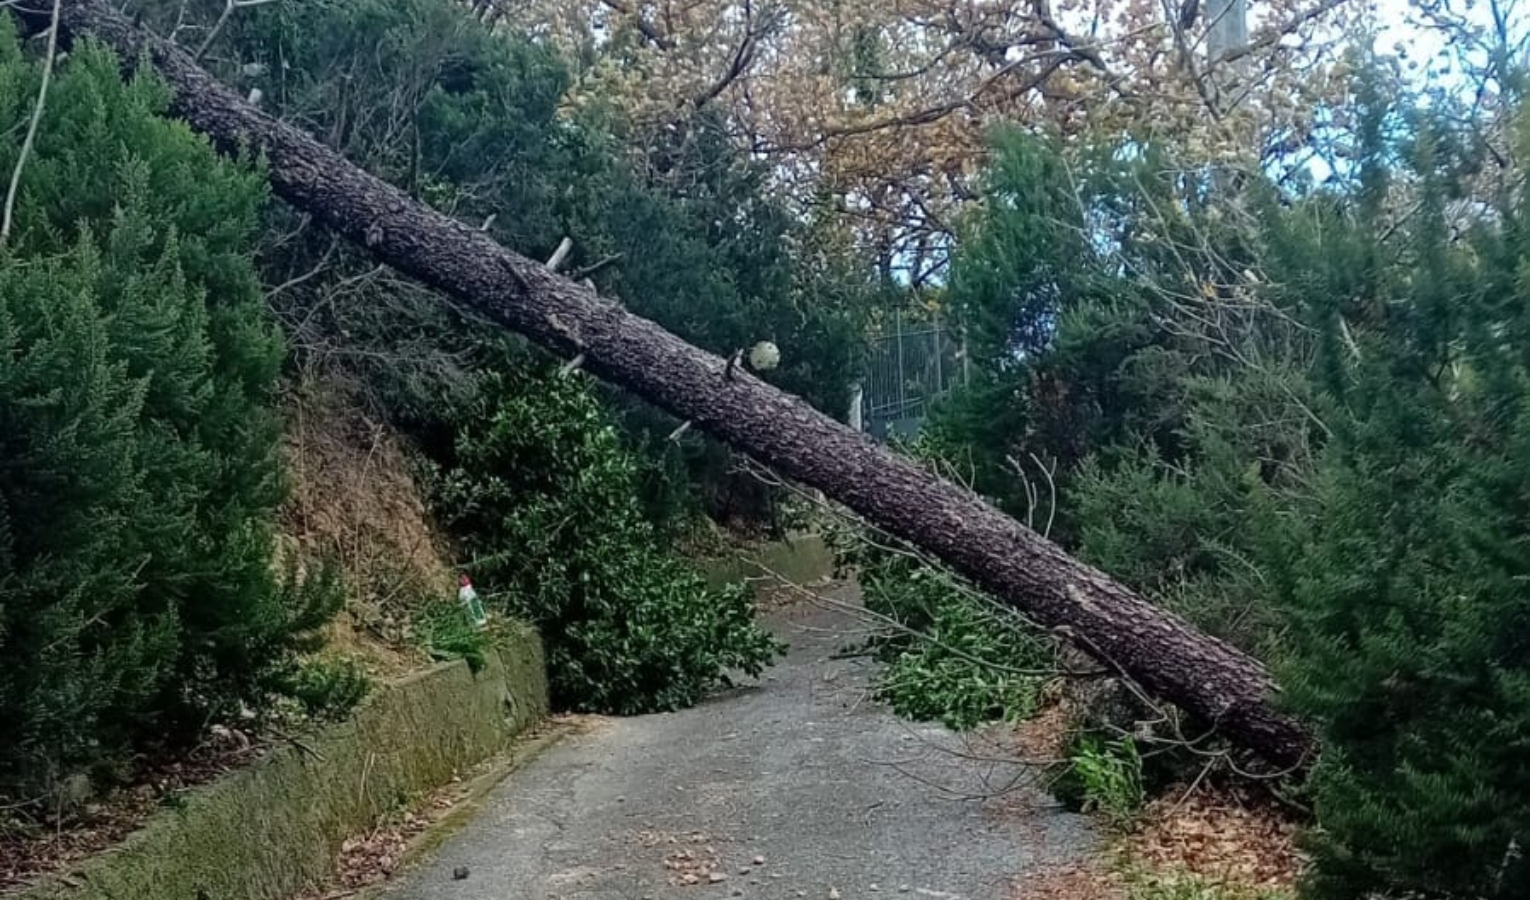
x=798, y=787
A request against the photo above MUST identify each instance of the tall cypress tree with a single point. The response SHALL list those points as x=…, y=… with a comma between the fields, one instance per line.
x=138, y=441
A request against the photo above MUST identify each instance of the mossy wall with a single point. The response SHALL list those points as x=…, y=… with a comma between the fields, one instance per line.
x=275, y=828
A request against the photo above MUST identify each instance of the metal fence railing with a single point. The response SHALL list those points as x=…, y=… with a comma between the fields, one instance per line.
x=907, y=369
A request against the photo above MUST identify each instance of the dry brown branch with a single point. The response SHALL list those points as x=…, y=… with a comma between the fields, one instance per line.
x=643, y=26
x=1272, y=36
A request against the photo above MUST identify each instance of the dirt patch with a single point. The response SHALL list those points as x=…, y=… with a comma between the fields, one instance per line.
x=355, y=500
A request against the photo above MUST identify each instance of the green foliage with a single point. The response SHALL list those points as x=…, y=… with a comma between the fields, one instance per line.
x=1132, y=360
x=708, y=253
x=448, y=633
x=1408, y=591
x=138, y=447
x=950, y=657
x=329, y=688
x=703, y=249
x=962, y=669
x=1053, y=282
x=1109, y=776
x=1307, y=434
x=542, y=493
x=684, y=230
x=676, y=222
x=424, y=96
x=420, y=94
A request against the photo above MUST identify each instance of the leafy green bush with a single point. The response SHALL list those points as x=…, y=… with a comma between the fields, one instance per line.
x=949, y=657
x=1109, y=774
x=447, y=633
x=961, y=670
x=329, y=688
x=138, y=442
x=543, y=494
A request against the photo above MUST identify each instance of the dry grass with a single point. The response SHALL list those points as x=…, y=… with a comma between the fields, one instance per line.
x=354, y=499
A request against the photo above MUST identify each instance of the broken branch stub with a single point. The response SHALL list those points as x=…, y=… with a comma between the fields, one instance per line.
x=1161, y=652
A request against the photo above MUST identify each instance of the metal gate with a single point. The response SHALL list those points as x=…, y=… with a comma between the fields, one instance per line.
x=907, y=370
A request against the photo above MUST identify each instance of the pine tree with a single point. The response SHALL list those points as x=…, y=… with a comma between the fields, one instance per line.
x=1083, y=283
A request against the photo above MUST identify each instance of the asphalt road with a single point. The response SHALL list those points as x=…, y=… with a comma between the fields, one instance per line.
x=798, y=786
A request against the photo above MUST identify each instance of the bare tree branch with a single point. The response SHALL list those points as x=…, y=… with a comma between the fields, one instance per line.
x=37, y=114
x=228, y=10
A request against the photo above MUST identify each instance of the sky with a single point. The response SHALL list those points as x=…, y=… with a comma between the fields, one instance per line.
x=1395, y=19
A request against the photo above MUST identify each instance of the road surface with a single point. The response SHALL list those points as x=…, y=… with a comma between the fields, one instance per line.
x=797, y=786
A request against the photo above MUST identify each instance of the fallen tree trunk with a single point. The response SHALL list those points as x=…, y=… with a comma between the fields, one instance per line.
x=1162, y=653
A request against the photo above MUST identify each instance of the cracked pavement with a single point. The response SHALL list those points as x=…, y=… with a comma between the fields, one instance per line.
x=799, y=785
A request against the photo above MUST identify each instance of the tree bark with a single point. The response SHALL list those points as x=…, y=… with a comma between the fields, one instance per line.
x=1162, y=653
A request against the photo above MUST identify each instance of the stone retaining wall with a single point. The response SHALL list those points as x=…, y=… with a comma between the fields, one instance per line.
x=275, y=828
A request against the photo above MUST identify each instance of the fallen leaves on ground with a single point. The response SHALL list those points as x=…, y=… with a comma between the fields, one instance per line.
x=771, y=595
x=1226, y=835
x=574, y=723
x=692, y=859
x=1229, y=838
x=689, y=860
x=375, y=856
x=1044, y=736
x=1077, y=882
x=1222, y=843
x=1039, y=739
